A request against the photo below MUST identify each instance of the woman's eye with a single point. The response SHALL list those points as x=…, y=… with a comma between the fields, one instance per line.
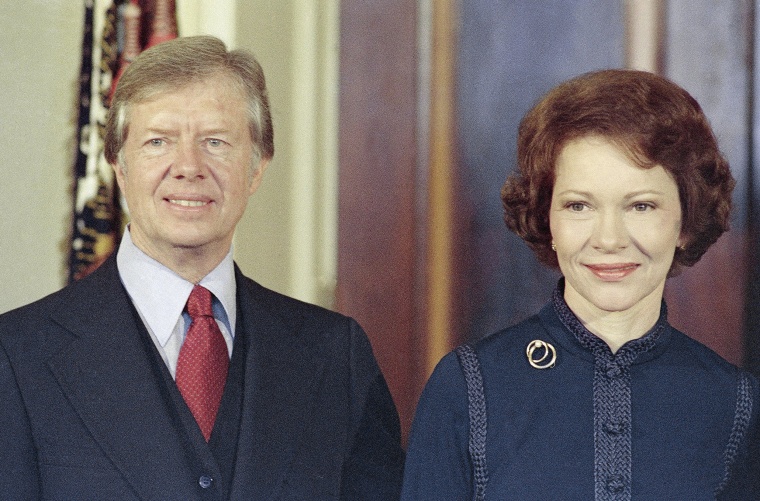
x=642, y=207
x=156, y=142
x=215, y=142
x=576, y=206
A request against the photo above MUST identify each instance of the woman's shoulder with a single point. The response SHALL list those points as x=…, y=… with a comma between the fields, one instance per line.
x=507, y=340
x=700, y=355
x=497, y=349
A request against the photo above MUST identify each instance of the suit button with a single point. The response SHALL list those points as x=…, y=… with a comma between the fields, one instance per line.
x=205, y=481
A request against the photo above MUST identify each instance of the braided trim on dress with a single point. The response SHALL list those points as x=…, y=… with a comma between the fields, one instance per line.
x=739, y=430
x=476, y=401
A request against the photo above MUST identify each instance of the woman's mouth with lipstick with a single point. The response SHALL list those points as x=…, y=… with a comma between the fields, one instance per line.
x=612, y=272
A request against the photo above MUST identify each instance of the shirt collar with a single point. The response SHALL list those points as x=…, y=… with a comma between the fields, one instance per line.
x=160, y=295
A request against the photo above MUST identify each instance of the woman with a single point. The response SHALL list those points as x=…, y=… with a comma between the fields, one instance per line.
x=620, y=184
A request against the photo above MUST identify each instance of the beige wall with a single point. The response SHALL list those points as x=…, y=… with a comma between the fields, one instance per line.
x=287, y=237
x=39, y=65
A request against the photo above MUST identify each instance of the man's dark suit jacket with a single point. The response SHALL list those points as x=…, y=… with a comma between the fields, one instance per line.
x=86, y=414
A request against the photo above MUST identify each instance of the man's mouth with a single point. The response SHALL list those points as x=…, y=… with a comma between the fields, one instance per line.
x=188, y=203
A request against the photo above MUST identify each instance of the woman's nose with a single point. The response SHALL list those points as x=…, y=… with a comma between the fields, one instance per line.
x=610, y=232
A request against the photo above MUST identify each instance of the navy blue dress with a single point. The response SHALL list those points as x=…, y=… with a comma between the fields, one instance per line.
x=664, y=418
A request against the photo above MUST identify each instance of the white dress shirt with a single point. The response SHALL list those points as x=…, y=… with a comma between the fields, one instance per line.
x=160, y=295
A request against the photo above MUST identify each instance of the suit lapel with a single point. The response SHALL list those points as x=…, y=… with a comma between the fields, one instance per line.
x=106, y=374
x=280, y=381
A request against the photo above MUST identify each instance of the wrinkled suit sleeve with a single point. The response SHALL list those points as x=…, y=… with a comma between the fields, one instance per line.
x=375, y=462
x=20, y=478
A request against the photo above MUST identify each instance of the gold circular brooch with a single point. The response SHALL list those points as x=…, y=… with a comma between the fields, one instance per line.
x=538, y=352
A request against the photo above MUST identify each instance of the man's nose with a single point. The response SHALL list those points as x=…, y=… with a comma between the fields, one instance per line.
x=188, y=161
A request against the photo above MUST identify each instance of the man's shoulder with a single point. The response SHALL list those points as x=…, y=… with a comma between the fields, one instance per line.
x=41, y=307
x=287, y=325
x=87, y=294
x=289, y=309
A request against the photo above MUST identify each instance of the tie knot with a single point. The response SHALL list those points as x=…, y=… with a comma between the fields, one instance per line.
x=199, y=303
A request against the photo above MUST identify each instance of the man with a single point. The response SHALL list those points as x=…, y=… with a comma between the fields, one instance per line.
x=113, y=388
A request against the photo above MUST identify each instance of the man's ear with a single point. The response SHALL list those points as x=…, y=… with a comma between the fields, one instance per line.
x=119, y=172
x=257, y=176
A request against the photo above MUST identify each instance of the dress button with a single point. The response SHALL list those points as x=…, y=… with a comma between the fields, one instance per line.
x=205, y=481
x=613, y=371
x=614, y=427
x=615, y=483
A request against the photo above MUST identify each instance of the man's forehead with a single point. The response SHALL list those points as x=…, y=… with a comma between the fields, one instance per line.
x=219, y=80
x=208, y=114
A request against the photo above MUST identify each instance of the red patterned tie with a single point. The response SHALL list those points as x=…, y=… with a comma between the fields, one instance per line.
x=203, y=362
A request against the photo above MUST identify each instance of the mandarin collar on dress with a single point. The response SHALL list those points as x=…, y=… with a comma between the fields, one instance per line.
x=628, y=352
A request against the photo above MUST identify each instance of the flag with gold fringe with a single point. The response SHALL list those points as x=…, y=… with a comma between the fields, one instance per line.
x=115, y=32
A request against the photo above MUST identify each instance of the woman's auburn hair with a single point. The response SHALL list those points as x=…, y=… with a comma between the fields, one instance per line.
x=654, y=121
